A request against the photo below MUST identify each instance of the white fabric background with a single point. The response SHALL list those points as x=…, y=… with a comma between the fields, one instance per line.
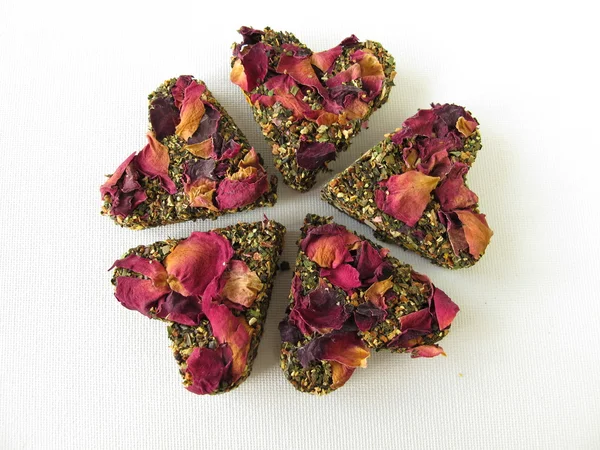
x=78, y=371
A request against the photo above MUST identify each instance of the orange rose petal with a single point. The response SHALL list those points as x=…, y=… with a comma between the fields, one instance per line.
x=347, y=349
x=242, y=285
x=153, y=161
x=466, y=127
x=201, y=193
x=238, y=75
x=477, y=232
x=204, y=149
x=376, y=292
x=197, y=261
x=340, y=374
x=192, y=110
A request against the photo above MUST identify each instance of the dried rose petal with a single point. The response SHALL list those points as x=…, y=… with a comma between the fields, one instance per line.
x=124, y=189
x=180, y=309
x=204, y=149
x=324, y=60
x=196, y=170
x=376, y=292
x=417, y=321
x=344, y=276
x=466, y=127
x=242, y=285
x=197, y=261
x=301, y=70
x=178, y=90
x=206, y=367
x=350, y=74
x=192, y=110
x=328, y=245
x=421, y=124
x=233, y=194
x=340, y=374
x=251, y=35
x=251, y=67
x=153, y=161
x=407, y=197
x=201, y=193
x=342, y=347
x=140, y=295
x=369, y=263
x=452, y=192
x=322, y=310
x=312, y=155
x=367, y=315
x=345, y=348
x=427, y=351
x=148, y=267
x=231, y=330
x=289, y=332
x=208, y=129
x=230, y=150
x=467, y=230
x=350, y=41
x=444, y=308
x=164, y=117
x=371, y=73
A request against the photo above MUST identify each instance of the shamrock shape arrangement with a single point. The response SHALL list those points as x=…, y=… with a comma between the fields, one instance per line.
x=349, y=296
x=213, y=289
x=309, y=105
x=197, y=164
x=411, y=188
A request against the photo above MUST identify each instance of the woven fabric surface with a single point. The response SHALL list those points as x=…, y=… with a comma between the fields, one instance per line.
x=77, y=370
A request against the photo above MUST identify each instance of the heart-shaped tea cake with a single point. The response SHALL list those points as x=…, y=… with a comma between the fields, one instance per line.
x=213, y=289
x=411, y=188
x=197, y=164
x=349, y=297
x=309, y=105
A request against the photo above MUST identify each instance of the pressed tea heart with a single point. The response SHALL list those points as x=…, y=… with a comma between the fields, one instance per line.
x=411, y=188
x=213, y=289
x=309, y=105
x=197, y=164
x=348, y=297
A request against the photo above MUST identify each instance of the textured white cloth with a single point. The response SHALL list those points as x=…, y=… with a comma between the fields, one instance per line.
x=77, y=370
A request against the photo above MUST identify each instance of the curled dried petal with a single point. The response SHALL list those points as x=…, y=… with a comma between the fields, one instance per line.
x=206, y=368
x=376, y=292
x=328, y=245
x=312, y=155
x=153, y=161
x=427, y=351
x=140, y=295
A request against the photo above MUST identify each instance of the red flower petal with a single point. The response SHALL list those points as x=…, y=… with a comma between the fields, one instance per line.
x=445, y=309
x=192, y=110
x=369, y=262
x=322, y=310
x=197, y=261
x=140, y=295
x=178, y=90
x=344, y=276
x=367, y=315
x=231, y=330
x=452, y=192
x=164, y=117
x=371, y=73
x=328, y=245
x=324, y=60
x=232, y=194
x=242, y=285
x=110, y=186
x=427, y=351
x=421, y=124
x=301, y=70
x=206, y=367
x=153, y=161
x=313, y=155
x=251, y=67
x=181, y=309
x=201, y=193
x=350, y=74
x=407, y=197
x=417, y=321
x=148, y=267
